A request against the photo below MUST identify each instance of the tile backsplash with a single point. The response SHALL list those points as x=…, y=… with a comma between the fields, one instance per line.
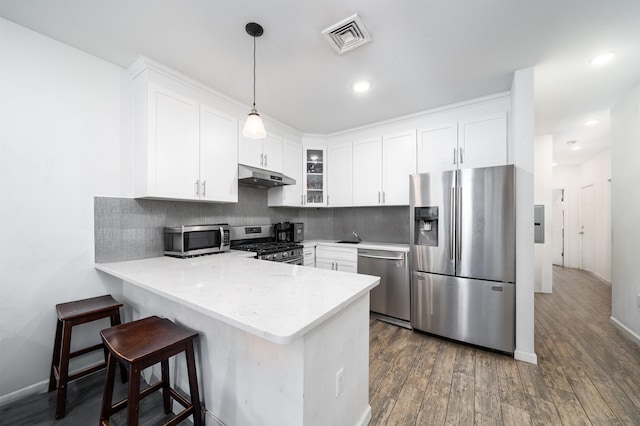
x=127, y=229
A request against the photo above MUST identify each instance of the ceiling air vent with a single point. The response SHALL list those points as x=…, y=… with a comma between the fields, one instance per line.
x=347, y=34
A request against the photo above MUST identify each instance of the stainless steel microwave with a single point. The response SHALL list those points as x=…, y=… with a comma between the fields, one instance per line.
x=196, y=240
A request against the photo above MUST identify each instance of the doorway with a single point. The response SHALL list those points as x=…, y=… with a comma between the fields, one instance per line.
x=557, y=212
x=587, y=241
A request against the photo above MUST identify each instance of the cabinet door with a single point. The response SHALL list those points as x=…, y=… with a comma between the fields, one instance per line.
x=346, y=266
x=218, y=155
x=325, y=264
x=399, y=161
x=249, y=150
x=310, y=256
x=367, y=172
x=314, y=176
x=272, y=152
x=292, y=167
x=437, y=148
x=339, y=175
x=172, y=144
x=483, y=141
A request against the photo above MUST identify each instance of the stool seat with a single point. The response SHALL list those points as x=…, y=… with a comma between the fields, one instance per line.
x=71, y=314
x=139, y=345
x=132, y=342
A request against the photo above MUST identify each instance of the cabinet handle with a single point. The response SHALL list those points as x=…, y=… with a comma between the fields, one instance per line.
x=265, y=160
x=384, y=197
x=302, y=200
x=204, y=188
x=461, y=155
x=454, y=155
x=197, y=189
x=378, y=197
x=262, y=159
x=327, y=199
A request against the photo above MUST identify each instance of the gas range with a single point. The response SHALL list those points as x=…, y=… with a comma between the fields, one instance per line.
x=261, y=240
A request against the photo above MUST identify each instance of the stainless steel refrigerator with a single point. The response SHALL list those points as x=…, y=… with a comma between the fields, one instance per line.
x=462, y=227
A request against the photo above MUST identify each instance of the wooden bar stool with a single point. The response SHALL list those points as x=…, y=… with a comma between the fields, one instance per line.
x=69, y=315
x=139, y=345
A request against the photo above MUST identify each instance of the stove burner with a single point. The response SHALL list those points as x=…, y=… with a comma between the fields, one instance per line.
x=275, y=251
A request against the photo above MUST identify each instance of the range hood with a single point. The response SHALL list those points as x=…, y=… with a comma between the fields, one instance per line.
x=260, y=178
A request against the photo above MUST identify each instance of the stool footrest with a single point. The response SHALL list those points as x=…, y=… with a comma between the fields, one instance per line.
x=179, y=417
x=87, y=371
x=86, y=350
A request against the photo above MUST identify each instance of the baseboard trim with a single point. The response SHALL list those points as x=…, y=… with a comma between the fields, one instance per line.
x=625, y=330
x=362, y=421
x=35, y=389
x=529, y=357
x=365, y=418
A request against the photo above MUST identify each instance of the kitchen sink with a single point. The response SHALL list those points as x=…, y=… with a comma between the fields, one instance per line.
x=348, y=242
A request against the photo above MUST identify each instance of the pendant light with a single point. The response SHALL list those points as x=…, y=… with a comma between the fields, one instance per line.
x=253, y=128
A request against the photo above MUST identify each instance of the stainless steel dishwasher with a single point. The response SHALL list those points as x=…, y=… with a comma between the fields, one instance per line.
x=391, y=299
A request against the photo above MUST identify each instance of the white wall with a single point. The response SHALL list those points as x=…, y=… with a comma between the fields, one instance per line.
x=595, y=171
x=625, y=197
x=60, y=145
x=523, y=119
x=543, y=194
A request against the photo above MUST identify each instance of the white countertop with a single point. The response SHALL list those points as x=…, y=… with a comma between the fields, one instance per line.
x=275, y=301
x=363, y=245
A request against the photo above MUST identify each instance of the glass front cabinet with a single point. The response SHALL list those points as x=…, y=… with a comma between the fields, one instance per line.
x=315, y=179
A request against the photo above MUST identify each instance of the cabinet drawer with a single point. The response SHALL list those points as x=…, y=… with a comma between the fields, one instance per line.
x=337, y=253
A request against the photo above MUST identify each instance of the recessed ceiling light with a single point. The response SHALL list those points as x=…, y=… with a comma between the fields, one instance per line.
x=575, y=148
x=554, y=164
x=602, y=59
x=361, y=86
x=590, y=122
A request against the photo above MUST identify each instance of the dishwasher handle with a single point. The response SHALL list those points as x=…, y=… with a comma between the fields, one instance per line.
x=370, y=256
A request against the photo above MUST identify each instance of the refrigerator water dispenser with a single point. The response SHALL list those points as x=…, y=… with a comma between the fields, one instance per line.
x=426, y=229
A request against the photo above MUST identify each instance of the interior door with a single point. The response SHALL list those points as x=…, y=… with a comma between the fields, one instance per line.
x=558, y=227
x=485, y=228
x=586, y=228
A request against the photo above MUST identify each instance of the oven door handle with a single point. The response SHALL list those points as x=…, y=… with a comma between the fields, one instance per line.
x=294, y=260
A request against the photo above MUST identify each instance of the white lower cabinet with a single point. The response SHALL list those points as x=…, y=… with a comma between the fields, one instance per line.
x=337, y=258
x=309, y=257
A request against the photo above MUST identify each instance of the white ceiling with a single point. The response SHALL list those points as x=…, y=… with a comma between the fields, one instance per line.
x=424, y=54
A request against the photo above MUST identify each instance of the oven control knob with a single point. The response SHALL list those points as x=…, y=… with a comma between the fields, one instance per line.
x=285, y=254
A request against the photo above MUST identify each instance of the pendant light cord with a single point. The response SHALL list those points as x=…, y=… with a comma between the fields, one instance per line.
x=254, y=72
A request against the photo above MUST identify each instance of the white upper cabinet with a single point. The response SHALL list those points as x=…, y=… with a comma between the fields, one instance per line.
x=289, y=195
x=381, y=169
x=482, y=141
x=314, y=176
x=398, y=162
x=339, y=175
x=477, y=142
x=183, y=149
x=367, y=172
x=261, y=153
x=218, y=156
x=437, y=148
x=172, y=145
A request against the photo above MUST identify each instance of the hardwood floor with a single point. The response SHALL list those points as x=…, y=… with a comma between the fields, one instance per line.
x=587, y=373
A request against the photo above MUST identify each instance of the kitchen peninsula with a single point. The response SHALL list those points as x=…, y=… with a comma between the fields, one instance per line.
x=279, y=344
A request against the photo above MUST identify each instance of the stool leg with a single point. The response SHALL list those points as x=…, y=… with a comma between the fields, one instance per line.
x=55, y=361
x=193, y=384
x=115, y=320
x=166, y=386
x=134, y=395
x=64, y=370
x=107, y=393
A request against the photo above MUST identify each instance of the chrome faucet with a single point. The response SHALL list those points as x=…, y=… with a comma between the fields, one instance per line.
x=356, y=236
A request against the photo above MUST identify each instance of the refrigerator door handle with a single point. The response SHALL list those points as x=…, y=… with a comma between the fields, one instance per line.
x=459, y=225
x=454, y=156
x=452, y=218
